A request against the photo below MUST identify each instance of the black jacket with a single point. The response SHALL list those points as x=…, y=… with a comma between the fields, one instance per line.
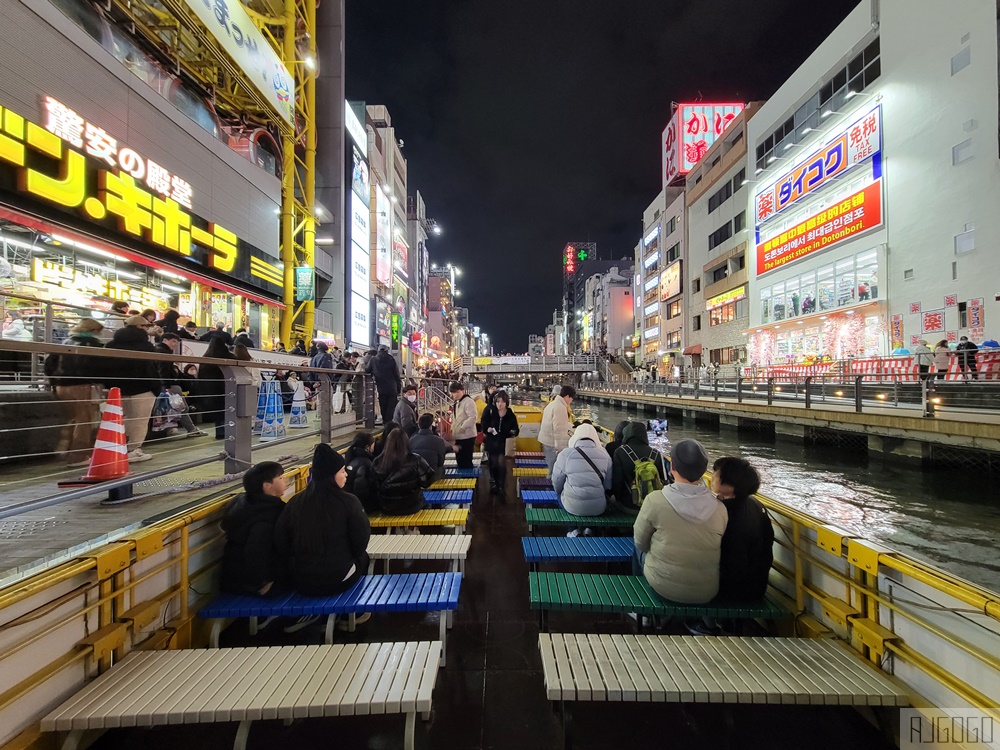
x=361, y=480
x=212, y=389
x=298, y=349
x=244, y=338
x=623, y=464
x=966, y=353
x=76, y=369
x=506, y=427
x=345, y=531
x=167, y=369
x=250, y=559
x=384, y=369
x=400, y=492
x=132, y=376
x=432, y=448
x=746, y=551
x=218, y=333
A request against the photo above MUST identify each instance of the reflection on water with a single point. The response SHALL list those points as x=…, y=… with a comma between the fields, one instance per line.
x=943, y=517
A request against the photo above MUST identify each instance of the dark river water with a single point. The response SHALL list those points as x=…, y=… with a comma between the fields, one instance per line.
x=950, y=518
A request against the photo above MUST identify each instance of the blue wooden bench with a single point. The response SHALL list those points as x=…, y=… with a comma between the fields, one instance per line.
x=539, y=549
x=456, y=473
x=397, y=592
x=448, y=497
x=540, y=497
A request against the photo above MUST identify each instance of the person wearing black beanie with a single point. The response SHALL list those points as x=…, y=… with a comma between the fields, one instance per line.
x=324, y=531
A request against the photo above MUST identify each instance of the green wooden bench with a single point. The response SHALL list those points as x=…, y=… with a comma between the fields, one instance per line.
x=559, y=517
x=623, y=594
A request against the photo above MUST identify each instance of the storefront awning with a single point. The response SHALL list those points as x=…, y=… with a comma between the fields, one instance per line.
x=692, y=350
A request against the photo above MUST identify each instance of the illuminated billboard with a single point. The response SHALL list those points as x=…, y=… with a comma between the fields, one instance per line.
x=691, y=131
x=383, y=255
x=670, y=281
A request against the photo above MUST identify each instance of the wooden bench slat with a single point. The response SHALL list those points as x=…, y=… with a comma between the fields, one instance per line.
x=131, y=669
x=322, y=698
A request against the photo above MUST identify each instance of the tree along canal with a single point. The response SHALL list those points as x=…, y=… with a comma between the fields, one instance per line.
x=948, y=517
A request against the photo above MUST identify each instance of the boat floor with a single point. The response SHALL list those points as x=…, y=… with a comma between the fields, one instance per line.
x=491, y=694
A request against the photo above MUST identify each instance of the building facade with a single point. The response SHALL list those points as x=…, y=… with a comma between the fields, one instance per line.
x=659, y=274
x=718, y=238
x=875, y=181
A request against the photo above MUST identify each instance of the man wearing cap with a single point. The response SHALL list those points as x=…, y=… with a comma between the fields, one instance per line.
x=678, y=532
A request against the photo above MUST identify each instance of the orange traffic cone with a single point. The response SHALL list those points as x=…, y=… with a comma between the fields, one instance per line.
x=110, y=457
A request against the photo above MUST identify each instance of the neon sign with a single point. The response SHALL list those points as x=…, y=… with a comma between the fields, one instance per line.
x=691, y=131
x=48, y=169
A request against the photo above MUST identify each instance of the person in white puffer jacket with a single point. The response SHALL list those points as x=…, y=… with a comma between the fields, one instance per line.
x=582, y=474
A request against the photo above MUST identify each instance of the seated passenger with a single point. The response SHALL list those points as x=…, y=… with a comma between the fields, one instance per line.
x=617, y=439
x=635, y=456
x=324, y=532
x=678, y=532
x=250, y=562
x=582, y=474
x=387, y=429
x=405, y=414
x=402, y=477
x=747, y=544
x=361, y=472
x=429, y=445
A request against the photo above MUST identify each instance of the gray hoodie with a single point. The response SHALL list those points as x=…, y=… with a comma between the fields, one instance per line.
x=680, y=529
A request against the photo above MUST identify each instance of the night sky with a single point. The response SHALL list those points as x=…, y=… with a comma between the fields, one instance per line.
x=530, y=124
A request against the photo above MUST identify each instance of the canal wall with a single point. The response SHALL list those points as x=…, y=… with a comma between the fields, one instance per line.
x=896, y=435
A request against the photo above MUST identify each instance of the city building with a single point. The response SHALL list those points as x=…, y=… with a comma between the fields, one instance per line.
x=143, y=191
x=555, y=334
x=658, y=268
x=440, y=311
x=580, y=263
x=611, y=312
x=875, y=188
x=718, y=239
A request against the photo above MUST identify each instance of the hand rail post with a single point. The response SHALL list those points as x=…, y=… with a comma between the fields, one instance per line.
x=739, y=389
x=715, y=385
x=770, y=391
x=324, y=405
x=895, y=390
x=240, y=409
x=808, y=382
x=857, y=393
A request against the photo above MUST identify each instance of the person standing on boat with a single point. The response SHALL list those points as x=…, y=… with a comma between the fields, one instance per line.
x=463, y=426
x=553, y=432
x=499, y=425
x=582, y=474
x=678, y=532
x=747, y=544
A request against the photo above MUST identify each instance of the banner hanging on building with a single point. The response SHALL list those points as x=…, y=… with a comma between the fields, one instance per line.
x=305, y=289
x=231, y=27
x=842, y=221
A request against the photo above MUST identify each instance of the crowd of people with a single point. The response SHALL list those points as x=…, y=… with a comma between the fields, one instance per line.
x=694, y=542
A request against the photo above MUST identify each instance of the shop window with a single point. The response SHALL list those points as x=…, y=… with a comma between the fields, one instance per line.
x=792, y=299
x=808, y=293
x=825, y=288
x=725, y=314
x=867, y=276
x=846, y=292
x=778, y=298
x=765, y=305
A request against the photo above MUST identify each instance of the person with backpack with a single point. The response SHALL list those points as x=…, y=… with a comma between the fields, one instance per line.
x=582, y=474
x=637, y=468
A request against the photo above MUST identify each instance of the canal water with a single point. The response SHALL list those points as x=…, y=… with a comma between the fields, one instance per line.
x=950, y=518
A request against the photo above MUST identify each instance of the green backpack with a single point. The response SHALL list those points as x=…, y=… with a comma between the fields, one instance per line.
x=647, y=477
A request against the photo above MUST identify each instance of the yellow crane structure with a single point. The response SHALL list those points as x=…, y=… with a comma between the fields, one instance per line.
x=174, y=32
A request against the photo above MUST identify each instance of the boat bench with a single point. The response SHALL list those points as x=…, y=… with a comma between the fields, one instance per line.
x=198, y=686
x=533, y=483
x=529, y=454
x=530, y=471
x=606, y=549
x=454, y=484
x=397, y=592
x=456, y=517
x=452, y=472
x=448, y=497
x=698, y=669
x=530, y=463
x=388, y=547
x=623, y=594
x=451, y=459
x=539, y=497
x=559, y=517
